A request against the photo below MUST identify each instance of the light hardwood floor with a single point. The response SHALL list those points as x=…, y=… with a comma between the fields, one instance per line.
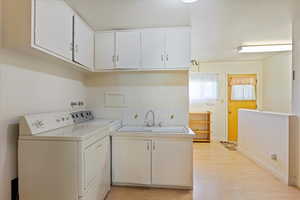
x=219, y=174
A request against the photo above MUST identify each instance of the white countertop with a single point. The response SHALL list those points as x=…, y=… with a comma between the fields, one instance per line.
x=86, y=130
x=267, y=112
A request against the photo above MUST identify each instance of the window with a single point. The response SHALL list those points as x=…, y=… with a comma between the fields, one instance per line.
x=204, y=87
x=243, y=92
x=243, y=88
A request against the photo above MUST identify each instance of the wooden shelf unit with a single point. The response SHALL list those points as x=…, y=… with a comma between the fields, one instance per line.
x=200, y=123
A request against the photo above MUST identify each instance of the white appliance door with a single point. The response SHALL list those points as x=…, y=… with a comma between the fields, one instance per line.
x=94, y=168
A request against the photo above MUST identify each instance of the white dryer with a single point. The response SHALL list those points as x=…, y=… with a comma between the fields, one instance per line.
x=64, y=156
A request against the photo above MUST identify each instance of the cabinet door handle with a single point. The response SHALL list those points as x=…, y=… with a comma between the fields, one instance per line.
x=167, y=57
x=117, y=58
x=113, y=58
x=148, y=146
x=162, y=57
x=153, y=146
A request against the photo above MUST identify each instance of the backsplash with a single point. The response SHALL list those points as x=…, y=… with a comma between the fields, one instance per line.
x=137, y=117
x=166, y=93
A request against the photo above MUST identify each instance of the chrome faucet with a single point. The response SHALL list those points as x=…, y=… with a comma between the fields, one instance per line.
x=152, y=124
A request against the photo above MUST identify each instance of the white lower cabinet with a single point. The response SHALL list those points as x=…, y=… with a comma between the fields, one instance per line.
x=153, y=161
x=131, y=161
x=172, y=162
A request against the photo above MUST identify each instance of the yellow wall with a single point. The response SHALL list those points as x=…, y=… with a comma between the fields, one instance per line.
x=277, y=83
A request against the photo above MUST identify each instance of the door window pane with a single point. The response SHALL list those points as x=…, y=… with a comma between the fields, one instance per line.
x=243, y=92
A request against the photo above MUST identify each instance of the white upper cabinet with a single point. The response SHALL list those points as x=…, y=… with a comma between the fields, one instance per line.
x=54, y=27
x=153, y=49
x=83, y=43
x=104, y=50
x=144, y=49
x=47, y=26
x=178, y=48
x=128, y=49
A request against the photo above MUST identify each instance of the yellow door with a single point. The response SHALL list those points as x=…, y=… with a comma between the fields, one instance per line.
x=241, y=94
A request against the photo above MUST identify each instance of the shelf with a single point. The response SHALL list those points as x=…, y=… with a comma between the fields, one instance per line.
x=201, y=131
x=201, y=140
x=200, y=123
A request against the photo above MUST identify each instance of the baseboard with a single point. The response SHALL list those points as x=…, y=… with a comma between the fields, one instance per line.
x=282, y=177
x=154, y=186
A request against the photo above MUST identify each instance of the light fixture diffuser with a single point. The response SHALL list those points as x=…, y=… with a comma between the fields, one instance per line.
x=265, y=48
x=189, y=1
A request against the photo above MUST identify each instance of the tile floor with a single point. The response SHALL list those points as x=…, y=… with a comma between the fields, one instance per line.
x=219, y=174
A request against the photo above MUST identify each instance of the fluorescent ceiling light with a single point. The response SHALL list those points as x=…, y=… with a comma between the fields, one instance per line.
x=265, y=48
x=189, y=1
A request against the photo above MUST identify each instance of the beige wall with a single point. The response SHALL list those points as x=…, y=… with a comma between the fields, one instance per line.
x=1, y=22
x=277, y=83
x=296, y=87
x=164, y=92
x=255, y=130
x=30, y=85
x=219, y=110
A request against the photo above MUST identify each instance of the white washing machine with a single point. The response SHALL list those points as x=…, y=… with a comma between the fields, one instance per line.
x=64, y=156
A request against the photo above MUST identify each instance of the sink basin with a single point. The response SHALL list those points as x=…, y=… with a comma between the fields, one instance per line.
x=173, y=130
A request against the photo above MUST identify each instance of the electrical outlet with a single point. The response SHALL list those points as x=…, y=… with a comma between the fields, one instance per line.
x=274, y=157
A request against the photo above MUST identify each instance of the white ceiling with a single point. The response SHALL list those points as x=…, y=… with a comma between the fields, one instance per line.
x=218, y=26
x=114, y=14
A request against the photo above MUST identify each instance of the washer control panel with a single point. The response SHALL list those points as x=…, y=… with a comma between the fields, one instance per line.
x=82, y=116
x=39, y=123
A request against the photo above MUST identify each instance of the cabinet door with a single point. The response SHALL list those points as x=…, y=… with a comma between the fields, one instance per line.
x=104, y=50
x=172, y=162
x=128, y=49
x=54, y=27
x=178, y=48
x=83, y=43
x=131, y=161
x=153, y=49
